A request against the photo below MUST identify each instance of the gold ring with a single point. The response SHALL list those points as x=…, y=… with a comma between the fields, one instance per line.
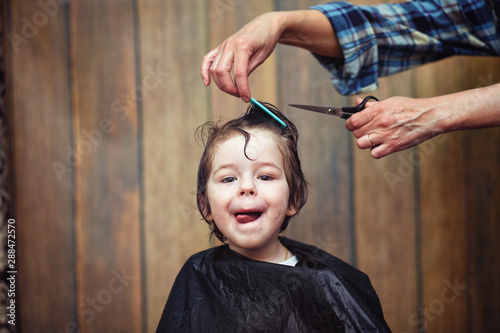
x=370, y=138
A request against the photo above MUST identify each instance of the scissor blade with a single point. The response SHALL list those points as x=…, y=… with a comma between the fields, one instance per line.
x=321, y=109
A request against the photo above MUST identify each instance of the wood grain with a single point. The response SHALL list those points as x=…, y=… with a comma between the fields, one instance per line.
x=39, y=114
x=442, y=207
x=384, y=201
x=172, y=110
x=482, y=188
x=482, y=183
x=105, y=95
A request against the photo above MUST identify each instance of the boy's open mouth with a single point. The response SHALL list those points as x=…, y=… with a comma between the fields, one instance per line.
x=245, y=217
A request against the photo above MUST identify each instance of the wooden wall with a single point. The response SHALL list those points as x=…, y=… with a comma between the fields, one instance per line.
x=103, y=100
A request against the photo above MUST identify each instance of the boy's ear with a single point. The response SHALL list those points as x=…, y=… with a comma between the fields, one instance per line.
x=291, y=211
x=209, y=217
x=203, y=203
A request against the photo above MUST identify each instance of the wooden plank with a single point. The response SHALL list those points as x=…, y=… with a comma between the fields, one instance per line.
x=174, y=106
x=442, y=214
x=222, y=23
x=482, y=183
x=326, y=219
x=107, y=188
x=384, y=201
x=39, y=116
x=482, y=188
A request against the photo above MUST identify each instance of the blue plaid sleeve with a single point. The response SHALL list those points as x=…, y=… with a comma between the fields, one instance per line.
x=385, y=39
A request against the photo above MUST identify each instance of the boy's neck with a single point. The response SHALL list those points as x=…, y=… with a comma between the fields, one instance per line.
x=273, y=253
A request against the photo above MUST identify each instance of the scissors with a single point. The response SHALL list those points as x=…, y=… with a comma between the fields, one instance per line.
x=343, y=113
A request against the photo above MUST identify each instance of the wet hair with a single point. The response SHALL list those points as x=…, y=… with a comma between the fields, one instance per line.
x=214, y=133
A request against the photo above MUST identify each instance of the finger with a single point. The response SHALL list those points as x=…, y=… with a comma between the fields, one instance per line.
x=240, y=72
x=349, y=124
x=205, y=65
x=221, y=72
x=380, y=151
x=359, y=120
x=369, y=141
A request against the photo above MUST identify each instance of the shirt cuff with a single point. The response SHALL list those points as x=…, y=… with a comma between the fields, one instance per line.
x=358, y=72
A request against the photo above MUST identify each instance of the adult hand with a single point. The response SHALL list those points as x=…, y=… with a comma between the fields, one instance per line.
x=241, y=54
x=230, y=63
x=394, y=124
x=399, y=123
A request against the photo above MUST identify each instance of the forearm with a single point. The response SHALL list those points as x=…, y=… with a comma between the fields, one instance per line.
x=470, y=109
x=310, y=30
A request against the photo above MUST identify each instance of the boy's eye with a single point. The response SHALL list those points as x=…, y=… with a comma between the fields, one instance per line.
x=265, y=177
x=228, y=180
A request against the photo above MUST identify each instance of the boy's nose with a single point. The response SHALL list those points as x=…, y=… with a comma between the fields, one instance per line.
x=247, y=187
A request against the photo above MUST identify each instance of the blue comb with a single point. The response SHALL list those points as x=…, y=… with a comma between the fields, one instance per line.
x=263, y=108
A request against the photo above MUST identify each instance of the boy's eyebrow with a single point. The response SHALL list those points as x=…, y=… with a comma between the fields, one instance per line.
x=224, y=166
x=232, y=165
x=271, y=164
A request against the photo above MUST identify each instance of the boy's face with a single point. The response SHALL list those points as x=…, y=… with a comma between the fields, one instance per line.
x=249, y=198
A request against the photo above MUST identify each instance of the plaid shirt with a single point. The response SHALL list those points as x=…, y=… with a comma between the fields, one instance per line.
x=384, y=39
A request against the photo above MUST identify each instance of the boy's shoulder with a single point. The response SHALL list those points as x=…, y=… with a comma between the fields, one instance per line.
x=310, y=256
x=203, y=257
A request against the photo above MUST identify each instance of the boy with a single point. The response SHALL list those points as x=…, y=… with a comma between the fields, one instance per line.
x=250, y=184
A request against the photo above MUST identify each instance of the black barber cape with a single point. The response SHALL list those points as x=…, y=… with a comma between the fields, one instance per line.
x=219, y=290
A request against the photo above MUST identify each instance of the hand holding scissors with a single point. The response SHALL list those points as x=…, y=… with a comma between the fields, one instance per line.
x=342, y=112
x=384, y=128
x=398, y=123
x=387, y=126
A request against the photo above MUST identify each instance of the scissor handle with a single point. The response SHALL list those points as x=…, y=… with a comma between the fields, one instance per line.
x=347, y=112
